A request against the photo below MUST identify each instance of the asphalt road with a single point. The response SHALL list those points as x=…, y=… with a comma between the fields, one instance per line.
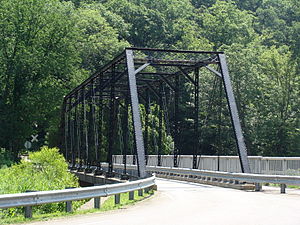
x=188, y=203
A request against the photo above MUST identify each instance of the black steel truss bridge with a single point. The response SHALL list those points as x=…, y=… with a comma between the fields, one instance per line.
x=115, y=104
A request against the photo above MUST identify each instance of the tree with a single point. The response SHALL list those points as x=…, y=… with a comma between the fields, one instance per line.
x=224, y=24
x=275, y=20
x=279, y=101
x=99, y=41
x=37, y=62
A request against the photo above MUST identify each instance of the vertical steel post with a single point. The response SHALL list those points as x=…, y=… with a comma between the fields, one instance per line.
x=112, y=119
x=66, y=127
x=72, y=133
x=176, y=125
x=90, y=138
x=219, y=125
x=125, y=133
x=147, y=125
x=239, y=137
x=138, y=135
x=196, y=118
x=95, y=128
x=160, y=119
x=76, y=138
x=85, y=127
x=79, y=133
x=69, y=132
x=82, y=136
x=98, y=170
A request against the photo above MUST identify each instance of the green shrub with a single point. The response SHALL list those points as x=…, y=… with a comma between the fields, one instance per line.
x=44, y=170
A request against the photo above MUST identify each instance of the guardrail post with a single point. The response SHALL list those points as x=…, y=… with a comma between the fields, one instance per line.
x=69, y=206
x=117, y=199
x=69, y=203
x=257, y=187
x=97, y=202
x=282, y=188
x=28, y=211
x=140, y=192
x=153, y=187
x=131, y=195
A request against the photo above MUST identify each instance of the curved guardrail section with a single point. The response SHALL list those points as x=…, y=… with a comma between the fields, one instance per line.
x=242, y=177
x=68, y=195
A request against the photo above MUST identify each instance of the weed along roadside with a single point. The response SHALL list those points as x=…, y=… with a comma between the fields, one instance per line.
x=44, y=171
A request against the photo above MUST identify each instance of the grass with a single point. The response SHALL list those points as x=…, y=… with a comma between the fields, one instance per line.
x=109, y=204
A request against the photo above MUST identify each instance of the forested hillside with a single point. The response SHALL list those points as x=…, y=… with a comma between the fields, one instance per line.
x=47, y=47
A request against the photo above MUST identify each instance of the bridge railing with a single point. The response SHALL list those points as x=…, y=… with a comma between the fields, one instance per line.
x=30, y=199
x=258, y=164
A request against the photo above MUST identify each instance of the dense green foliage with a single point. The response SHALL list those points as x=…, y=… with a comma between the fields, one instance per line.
x=5, y=158
x=48, y=47
x=43, y=170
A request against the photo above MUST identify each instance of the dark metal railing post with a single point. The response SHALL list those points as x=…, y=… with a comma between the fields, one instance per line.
x=99, y=129
x=85, y=129
x=147, y=126
x=76, y=135
x=81, y=130
x=112, y=120
x=196, y=118
x=160, y=119
x=125, y=135
x=72, y=136
x=66, y=129
x=176, y=120
x=219, y=144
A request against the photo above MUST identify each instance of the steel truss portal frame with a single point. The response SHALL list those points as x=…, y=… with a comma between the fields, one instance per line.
x=90, y=111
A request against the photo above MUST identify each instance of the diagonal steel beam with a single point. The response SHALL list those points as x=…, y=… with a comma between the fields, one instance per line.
x=214, y=71
x=138, y=135
x=167, y=82
x=239, y=137
x=152, y=89
x=187, y=76
x=141, y=68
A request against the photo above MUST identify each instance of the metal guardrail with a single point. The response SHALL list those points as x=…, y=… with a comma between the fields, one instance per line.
x=242, y=177
x=74, y=194
x=229, y=177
